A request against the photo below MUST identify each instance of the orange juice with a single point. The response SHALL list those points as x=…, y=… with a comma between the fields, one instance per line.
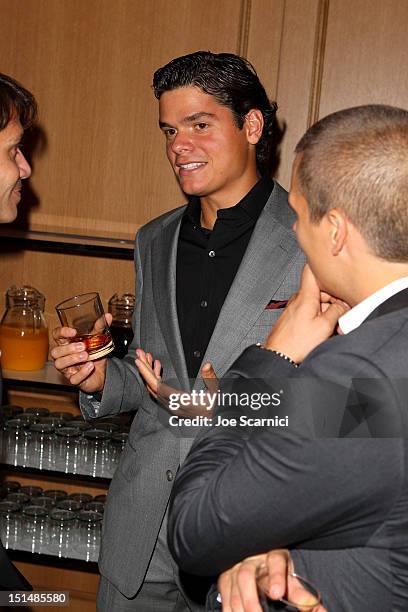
x=23, y=349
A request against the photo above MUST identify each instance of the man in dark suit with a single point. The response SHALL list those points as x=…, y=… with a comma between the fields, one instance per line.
x=333, y=484
x=209, y=276
x=18, y=110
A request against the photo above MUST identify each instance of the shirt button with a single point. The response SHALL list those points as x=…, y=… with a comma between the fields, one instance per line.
x=203, y=304
x=211, y=254
x=197, y=354
x=169, y=475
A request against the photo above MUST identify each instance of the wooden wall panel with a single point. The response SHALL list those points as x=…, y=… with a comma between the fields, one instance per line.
x=90, y=63
x=262, y=43
x=296, y=76
x=366, y=54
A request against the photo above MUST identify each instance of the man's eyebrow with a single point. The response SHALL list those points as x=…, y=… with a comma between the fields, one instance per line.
x=190, y=118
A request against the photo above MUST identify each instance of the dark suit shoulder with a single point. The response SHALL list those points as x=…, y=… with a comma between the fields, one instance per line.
x=376, y=348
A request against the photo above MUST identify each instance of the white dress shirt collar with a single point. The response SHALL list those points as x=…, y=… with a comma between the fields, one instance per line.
x=354, y=317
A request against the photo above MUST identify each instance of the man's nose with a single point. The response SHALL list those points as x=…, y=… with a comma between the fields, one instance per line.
x=180, y=143
x=23, y=165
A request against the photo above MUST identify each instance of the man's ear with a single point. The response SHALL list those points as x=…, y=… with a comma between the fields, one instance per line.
x=253, y=125
x=338, y=229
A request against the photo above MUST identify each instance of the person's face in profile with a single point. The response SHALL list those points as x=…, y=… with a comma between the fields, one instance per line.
x=13, y=168
x=209, y=154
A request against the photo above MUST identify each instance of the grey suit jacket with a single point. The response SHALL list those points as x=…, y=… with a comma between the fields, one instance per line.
x=141, y=486
x=335, y=490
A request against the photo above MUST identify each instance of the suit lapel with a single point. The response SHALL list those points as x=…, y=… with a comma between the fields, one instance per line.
x=264, y=266
x=164, y=259
x=395, y=302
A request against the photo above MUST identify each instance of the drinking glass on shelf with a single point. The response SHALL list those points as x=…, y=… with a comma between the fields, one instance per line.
x=31, y=491
x=37, y=411
x=290, y=602
x=11, y=411
x=43, y=501
x=55, y=494
x=62, y=532
x=86, y=315
x=100, y=498
x=55, y=423
x=89, y=534
x=42, y=451
x=108, y=426
x=28, y=419
x=82, y=498
x=70, y=504
x=16, y=442
x=10, y=486
x=62, y=416
x=95, y=457
x=19, y=498
x=95, y=506
x=67, y=449
x=10, y=523
x=35, y=529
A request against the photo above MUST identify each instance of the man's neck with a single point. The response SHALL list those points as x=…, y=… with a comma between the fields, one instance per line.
x=374, y=278
x=212, y=203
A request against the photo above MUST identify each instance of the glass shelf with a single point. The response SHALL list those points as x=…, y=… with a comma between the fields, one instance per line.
x=47, y=552
x=48, y=377
x=58, y=242
x=81, y=474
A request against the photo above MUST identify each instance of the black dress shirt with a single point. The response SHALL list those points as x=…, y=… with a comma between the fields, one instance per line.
x=207, y=262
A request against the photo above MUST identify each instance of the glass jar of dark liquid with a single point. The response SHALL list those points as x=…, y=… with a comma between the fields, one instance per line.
x=121, y=307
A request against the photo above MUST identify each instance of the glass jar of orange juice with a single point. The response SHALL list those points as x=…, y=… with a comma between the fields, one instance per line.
x=23, y=330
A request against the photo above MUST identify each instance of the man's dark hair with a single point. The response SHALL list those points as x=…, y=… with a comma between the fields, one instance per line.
x=357, y=160
x=16, y=102
x=233, y=82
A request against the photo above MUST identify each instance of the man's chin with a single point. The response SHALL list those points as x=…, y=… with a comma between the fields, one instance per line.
x=9, y=214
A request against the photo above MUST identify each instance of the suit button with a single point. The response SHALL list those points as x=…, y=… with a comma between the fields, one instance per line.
x=169, y=475
x=211, y=254
x=203, y=304
x=197, y=353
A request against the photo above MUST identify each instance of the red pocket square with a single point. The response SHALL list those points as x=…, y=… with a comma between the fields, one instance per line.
x=274, y=304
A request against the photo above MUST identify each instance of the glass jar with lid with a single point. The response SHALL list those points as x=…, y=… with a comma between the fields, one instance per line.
x=23, y=330
x=121, y=307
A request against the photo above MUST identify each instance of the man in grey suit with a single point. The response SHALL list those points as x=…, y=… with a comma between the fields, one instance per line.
x=18, y=110
x=211, y=278
x=333, y=485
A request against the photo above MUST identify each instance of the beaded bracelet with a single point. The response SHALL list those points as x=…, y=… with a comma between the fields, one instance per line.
x=282, y=355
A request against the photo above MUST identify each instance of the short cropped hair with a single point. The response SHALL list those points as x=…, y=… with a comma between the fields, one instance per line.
x=357, y=160
x=233, y=82
x=16, y=102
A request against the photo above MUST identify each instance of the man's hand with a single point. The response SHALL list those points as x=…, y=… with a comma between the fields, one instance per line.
x=72, y=360
x=309, y=318
x=238, y=585
x=150, y=370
